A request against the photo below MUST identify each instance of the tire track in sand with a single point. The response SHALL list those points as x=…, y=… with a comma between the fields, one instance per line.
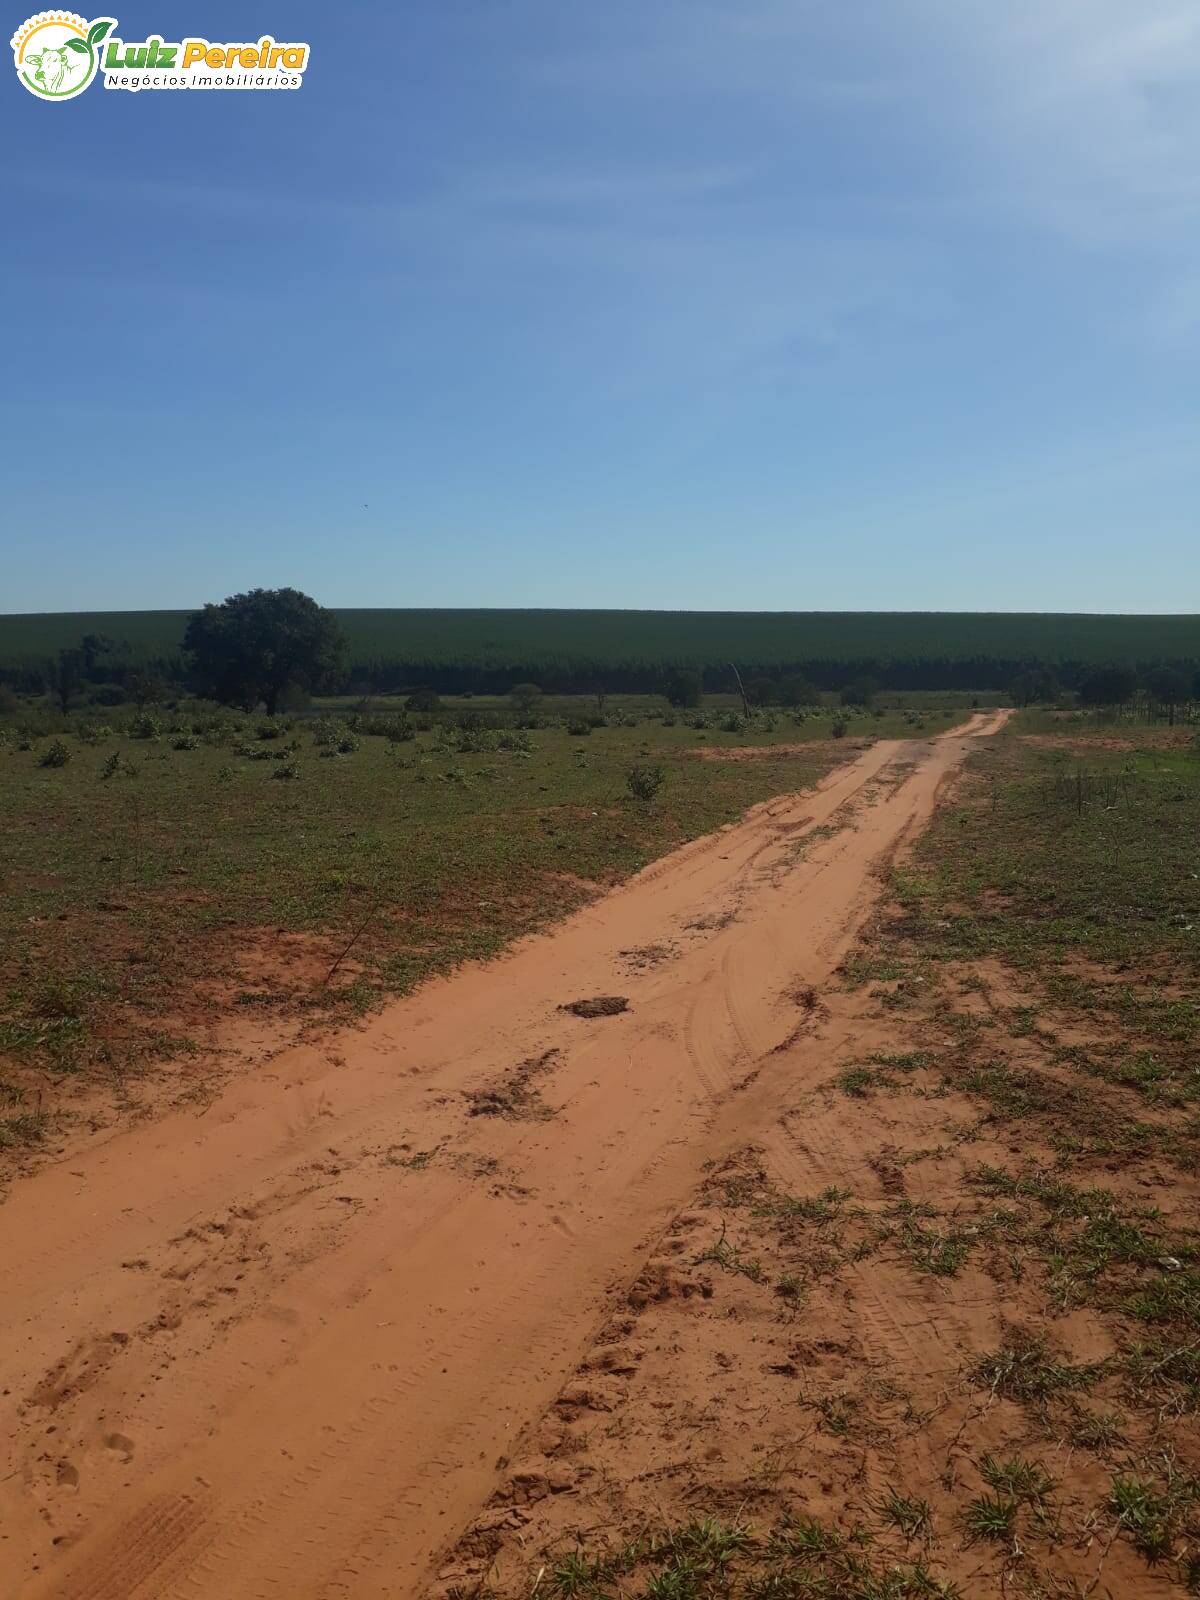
x=338, y=1432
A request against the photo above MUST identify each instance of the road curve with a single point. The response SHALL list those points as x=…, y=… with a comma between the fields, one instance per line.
x=276, y=1349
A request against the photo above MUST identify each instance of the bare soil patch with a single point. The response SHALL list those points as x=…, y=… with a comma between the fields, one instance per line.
x=857, y=1325
x=765, y=752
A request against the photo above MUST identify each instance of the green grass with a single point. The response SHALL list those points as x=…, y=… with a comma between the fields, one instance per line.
x=990, y=1516
x=1018, y=871
x=1153, y=1512
x=1022, y=1368
x=710, y=1558
x=857, y=1081
x=912, y=1517
x=147, y=862
x=1016, y=1478
x=942, y=1252
x=724, y=1255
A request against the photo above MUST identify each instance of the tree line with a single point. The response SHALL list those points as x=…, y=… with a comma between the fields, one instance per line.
x=262, y=646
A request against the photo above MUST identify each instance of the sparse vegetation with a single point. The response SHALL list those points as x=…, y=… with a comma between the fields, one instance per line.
x=160, y=847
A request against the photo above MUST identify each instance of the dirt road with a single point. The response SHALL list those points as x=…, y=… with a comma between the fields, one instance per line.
x=277, y=1348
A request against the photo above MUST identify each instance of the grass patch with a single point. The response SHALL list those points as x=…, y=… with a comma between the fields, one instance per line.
x=1152, y=1511
x=990, y=1516
x=1016, y=1478
x=1023, y=1369
x=712, y=1559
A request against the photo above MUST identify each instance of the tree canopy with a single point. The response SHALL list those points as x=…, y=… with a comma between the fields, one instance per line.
x=860, y=691
x=253, y=646
x=1109, y=686
x=684, y=688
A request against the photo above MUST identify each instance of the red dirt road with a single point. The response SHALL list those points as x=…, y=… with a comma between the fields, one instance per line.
x=277, y=1348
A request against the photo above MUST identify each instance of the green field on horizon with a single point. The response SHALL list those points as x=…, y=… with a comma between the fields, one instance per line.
x=498, y=638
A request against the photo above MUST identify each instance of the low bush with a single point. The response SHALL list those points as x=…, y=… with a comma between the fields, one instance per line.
x=644, y=780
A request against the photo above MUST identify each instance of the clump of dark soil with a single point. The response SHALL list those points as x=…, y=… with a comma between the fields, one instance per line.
x=604, y=1005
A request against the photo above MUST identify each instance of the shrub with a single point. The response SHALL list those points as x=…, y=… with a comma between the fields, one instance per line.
x=55, y=755
x=762, y=691
x=579, y=727
x=838, y=730
x=644, y=780
x=347, y=744
x=111, y=766
x=685, y=688
x=108, y=694
x=516, y=741
x=798, y=691
x=326, y=730
x=524, y=697
x=185, y=741
x=287, y=769
x=144, y=726
x=860, y=692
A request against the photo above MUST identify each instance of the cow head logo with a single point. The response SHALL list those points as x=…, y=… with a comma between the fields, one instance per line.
x=57, y=53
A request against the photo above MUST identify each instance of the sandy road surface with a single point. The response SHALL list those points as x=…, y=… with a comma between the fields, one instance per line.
x=276, y=1349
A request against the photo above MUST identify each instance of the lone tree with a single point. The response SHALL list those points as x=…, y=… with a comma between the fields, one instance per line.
x=1035, y=684
x=525, y=697
x=861, y=692
x=66, y=677
x=254, y=646
x=144, y=687
x=797, y=691
x=684, y=688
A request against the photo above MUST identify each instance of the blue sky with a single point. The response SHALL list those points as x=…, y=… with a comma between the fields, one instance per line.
x=754, y=304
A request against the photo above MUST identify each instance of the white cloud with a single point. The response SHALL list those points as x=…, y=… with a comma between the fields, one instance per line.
x=1090, y=110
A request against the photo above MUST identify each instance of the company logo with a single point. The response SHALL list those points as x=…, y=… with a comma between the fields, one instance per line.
x=57, y=54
